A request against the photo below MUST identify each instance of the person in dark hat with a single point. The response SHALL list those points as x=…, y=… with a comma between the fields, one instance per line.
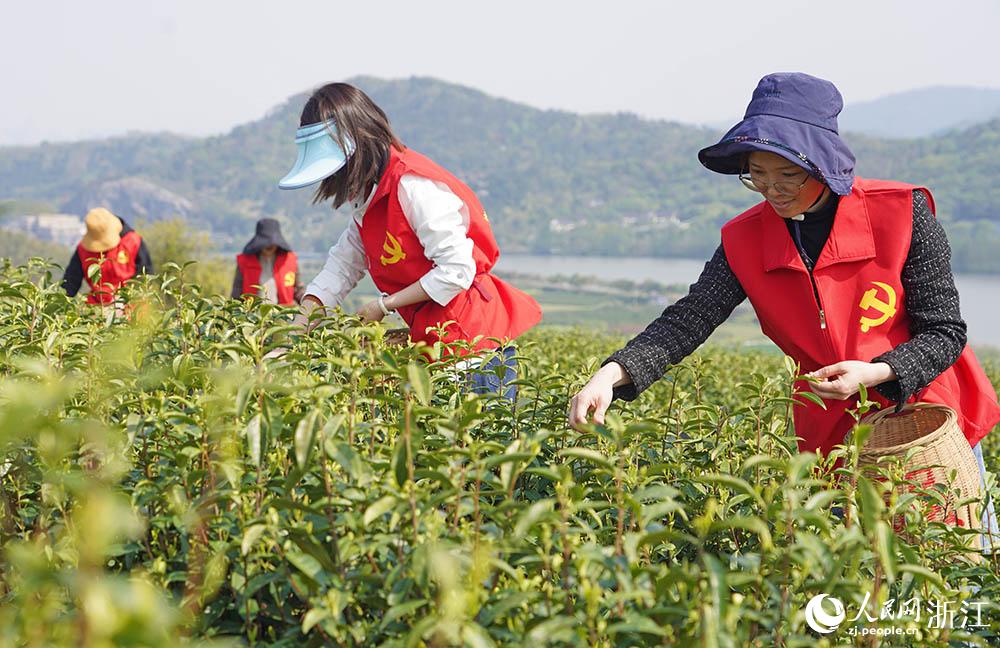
x=848, y=276
x=268, y=268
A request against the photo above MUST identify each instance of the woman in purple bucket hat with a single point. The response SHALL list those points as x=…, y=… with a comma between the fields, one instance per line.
x=850, y=277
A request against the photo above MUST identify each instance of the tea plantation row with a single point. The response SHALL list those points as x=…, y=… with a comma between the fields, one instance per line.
x=162, y=482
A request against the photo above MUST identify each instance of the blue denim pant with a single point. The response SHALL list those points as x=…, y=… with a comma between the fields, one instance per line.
x=989, y=511
x=495, y=375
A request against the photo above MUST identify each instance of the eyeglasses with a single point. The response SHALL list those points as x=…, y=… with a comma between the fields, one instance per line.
x=783, y=187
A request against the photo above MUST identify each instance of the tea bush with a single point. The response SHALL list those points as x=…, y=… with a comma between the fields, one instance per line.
x=163, y=482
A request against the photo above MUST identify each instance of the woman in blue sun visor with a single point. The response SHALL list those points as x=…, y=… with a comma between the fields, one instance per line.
x=417, y=229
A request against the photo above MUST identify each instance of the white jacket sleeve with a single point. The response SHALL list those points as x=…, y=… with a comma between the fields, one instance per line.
x=441, y=221
x=345, y=266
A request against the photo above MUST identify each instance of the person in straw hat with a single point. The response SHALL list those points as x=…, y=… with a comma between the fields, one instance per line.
x=268, y=268
x=850, y=277
x=119, y=251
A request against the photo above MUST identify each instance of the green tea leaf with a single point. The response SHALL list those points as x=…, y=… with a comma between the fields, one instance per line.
x=250, y=537
x=312, y=617
x=531, y=516
x=254, y=441
x=635, y=624
x=588, y=455
x=810, y=396
x=304, y=434
x=420, y=382
x=307, y=565
x=402, y=610
x=885, y=542
x=734, y=483
x=379, y=508
x=870, y=504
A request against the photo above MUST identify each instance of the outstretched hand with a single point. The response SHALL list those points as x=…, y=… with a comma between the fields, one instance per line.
x=371, y=312
x=596, y=395
x=840, y=380
x=309, y=305
x=593, y=396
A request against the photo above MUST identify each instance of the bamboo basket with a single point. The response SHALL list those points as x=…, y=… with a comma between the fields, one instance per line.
x=943, y=449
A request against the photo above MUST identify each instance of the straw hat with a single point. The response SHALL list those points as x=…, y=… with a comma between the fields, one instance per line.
x=103, y=231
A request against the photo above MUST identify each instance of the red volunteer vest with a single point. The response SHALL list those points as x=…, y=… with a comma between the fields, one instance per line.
x=861, y=307
x=286, y=265
x=117, y=266
x=490, y=308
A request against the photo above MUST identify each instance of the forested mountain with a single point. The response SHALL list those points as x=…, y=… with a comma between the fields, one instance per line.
x=552, y=181
x=922, y=112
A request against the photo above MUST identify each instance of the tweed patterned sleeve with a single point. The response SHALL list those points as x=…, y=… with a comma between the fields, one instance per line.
x=937, y=327
x=681, y=328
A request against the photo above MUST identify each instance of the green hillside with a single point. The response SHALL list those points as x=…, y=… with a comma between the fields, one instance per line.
x=553, y=182
x=941, y=108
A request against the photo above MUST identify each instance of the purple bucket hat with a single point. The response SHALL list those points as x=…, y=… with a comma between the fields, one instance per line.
x=795, y=116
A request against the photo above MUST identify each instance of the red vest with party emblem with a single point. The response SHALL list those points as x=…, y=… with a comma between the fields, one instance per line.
x=117, y=266
x=853, y=308
x=286, y=264
x=491, y=308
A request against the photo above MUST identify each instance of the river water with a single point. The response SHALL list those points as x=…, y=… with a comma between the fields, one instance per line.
x=979, y=294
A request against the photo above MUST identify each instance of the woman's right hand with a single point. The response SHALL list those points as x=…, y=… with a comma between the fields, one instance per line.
x=596, y=395
x=309, y=304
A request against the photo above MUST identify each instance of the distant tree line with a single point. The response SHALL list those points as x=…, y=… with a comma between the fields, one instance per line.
x=551, y=181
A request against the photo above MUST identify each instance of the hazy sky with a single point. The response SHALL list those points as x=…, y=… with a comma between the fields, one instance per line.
x=76, y=69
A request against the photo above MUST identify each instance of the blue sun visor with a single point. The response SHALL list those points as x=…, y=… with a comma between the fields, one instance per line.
x=319, y=155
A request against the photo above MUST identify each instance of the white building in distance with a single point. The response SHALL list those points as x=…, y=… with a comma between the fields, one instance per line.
x=65, y=229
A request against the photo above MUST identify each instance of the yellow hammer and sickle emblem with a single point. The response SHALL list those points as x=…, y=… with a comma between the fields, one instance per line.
x=870, y=300
x=393, y=250
x=289, y=279
x=485, y=217
x=122, y=257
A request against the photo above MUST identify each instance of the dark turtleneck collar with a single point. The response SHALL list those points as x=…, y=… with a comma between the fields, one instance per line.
x=810, y=234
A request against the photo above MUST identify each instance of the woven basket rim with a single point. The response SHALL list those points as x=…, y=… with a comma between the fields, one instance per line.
x=951, y=417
